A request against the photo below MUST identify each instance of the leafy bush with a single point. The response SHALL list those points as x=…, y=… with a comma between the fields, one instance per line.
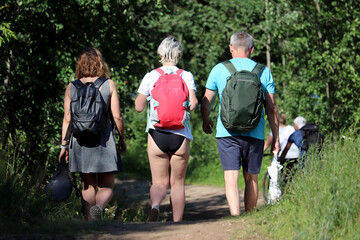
x=135, y=160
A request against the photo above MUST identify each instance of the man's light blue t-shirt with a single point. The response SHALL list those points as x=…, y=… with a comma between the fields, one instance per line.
x=217, y=82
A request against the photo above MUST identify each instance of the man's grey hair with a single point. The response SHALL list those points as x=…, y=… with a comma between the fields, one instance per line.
x=169, y=50
x=242, y=40
x=300, y=121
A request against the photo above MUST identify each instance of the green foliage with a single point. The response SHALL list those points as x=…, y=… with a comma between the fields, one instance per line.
x=39, y=62
x=24, y=203
x=322, y=202
x=204, y=164
x=6, y=35
x=135, y=159
x=204, y=29
x=313, y=61
x=315, y=69
x=134, y=212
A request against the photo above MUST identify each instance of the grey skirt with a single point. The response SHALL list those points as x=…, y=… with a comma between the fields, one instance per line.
x=96, y=156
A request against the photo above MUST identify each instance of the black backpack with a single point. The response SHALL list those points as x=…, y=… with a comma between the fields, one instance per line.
x=311, y=137
x=242, y=99
x=88, y=110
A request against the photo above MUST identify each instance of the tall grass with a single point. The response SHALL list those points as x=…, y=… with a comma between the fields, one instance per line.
x=23, y=201
x=25, y=208
x=323, y=200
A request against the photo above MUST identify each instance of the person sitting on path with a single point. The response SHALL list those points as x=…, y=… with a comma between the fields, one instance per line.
x=97, y=159
x=167, y=146
x=238, y=149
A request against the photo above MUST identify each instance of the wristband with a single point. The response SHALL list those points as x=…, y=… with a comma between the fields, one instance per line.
x=66, y=147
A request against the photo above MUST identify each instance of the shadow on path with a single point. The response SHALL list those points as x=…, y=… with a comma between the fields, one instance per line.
x=202, y=202
x=205, y=209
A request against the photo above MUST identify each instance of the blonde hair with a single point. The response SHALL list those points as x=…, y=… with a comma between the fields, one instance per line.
x=169, y=50
x=242, y=40
x=91, y=63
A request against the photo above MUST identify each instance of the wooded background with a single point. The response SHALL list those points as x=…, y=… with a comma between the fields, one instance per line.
x=312, y=48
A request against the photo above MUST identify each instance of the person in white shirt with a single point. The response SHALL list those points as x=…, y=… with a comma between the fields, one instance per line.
x=284, y=132
x=293, y=152
x=167, y=146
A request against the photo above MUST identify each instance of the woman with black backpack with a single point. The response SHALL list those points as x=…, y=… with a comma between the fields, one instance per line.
x=87, y=133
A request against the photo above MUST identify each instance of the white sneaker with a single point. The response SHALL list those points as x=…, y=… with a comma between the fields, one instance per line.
x=96, y=212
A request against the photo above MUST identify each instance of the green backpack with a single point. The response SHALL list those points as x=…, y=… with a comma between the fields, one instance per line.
x=242, y=99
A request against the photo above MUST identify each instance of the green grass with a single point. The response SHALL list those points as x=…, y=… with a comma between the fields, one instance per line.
x=323, y=202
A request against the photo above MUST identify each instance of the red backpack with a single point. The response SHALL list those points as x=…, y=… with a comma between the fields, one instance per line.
x=169, y=100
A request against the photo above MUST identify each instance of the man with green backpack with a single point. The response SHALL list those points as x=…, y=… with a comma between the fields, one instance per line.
x=245, y=88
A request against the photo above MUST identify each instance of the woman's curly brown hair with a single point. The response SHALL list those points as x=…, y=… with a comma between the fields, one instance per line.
x=90, y=63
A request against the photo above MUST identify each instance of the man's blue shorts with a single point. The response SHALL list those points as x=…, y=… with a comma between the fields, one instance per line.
x=237, y=151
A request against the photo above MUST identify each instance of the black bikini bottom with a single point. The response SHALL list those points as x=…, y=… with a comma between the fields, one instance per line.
x=167, y=142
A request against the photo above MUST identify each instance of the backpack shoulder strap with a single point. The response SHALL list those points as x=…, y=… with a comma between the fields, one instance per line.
x=160, y=71
x=68, y=133
x=258, y=69
x=229, y=66
x=77, y=83
x=99, y=82
x=310, y=127
x=179, y=72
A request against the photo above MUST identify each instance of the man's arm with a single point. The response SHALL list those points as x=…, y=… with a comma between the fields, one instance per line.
x=208, y=124
x=272, y=114
x=268, y=142
x=283, y=154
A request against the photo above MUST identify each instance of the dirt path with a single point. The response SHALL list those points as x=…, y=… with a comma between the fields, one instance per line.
x=203, y=216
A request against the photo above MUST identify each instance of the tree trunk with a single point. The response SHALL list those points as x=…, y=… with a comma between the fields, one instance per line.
x=9, y=111
x=327, y=85
x=268, y=42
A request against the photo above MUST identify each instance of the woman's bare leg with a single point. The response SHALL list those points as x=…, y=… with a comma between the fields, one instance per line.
x=179, y=161
x=105, y=189
x=88, y=192
x=159, y=165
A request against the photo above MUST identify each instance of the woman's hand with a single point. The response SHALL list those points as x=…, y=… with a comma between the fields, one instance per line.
x=64, y=154
x=122, y=145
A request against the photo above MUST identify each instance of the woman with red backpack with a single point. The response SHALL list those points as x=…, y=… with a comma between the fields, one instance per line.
x=171, y=92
